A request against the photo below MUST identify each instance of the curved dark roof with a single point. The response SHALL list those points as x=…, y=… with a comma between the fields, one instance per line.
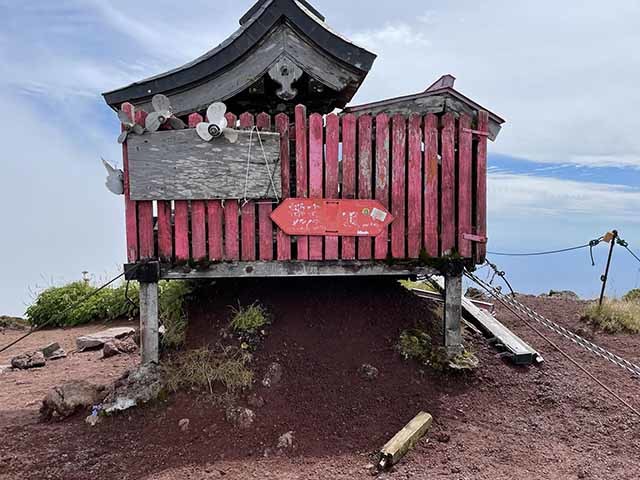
x=261, y=19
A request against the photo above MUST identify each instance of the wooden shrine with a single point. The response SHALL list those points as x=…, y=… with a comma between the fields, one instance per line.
x=243, y=169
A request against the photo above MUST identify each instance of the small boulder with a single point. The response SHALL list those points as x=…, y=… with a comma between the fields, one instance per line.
x=28, y=360
x=184, y=424
x=474, y=294
x=97, y=340
x=93, y=419
x=368, y=372
x=135, y=387
x=285, y=441
x=273, y=375
x=50, y=349
x=71, y=397
x=116, y=347
x=5, y=369
x=254, y=400
x=564, y=294
x=241, y=417
x=110, y=350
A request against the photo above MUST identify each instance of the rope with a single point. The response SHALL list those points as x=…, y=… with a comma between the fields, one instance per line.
x=266, y=163
x=68, y=309
x=560, y=330
x=501, y=299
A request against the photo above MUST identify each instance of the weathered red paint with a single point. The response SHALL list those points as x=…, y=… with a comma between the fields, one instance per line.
x=302, y=181
x=265, y=226
x=247, y=210
x=316, y=148
x=130, y=210
x=448, y=219
x=398, y=172
x=322, y=217
x=331, y=177
x=431, y=185
x=481, y=186
x=414, y=188
x=165, y=231
x=198, y=214
x=349, y=175
x=145, y=213
x=381, y=242
x=181, y=228
x=465, y=187
x=282, y=126
x=215, y=217
x=365, y=175
x=231, y=217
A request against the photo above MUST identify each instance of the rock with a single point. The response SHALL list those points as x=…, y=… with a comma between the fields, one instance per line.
x=93, y=419
x=240, y=417
x=564, y=294
x=255, y=400
x=48, y=350
x=110, y=350
x=71, y=397
x=285, y=441
x=116, y=347
x=28, y=360
x=97, y=340
x=57, y=355
x=135, y=387
x=368, y=372
x=184, y=424
x=5, y=369
x=474, y=294
x=273, y=375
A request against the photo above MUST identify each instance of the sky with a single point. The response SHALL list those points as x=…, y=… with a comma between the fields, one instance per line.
x=564, y=170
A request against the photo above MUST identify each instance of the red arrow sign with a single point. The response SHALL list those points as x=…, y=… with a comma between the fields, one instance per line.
x=339, y=218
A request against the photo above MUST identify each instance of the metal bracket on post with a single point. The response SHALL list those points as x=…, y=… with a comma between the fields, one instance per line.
x=143, y=272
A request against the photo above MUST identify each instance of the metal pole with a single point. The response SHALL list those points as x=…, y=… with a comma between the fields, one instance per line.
x=605, y=277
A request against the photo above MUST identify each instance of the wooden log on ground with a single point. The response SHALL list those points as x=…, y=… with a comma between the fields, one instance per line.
x=404, y=440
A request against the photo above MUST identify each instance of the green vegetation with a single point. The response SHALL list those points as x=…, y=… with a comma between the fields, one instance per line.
x=632, y=295
x=210, y=370
x=614, y=316
x=249, y=320
x=417, y=345
x=13, y=323
x=173, y=314
x=425, y=286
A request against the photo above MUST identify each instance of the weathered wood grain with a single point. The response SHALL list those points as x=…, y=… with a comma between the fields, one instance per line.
x=302, y=168
x=178, y=165
x=165, y=231
x=465, y=186
x=381, y=242
x=181, y=229
x=248, y=207
x=130, y=209
x=331, y=177
x=414, y=188
x=431, y=186
x=265, y=226
x=365, y=175
x=231, y=216
x=215, y=216
x=198, y=214
x=448, y=192
x=348, y=176
x=316, y=150
x=398, y=172
x=481, y=188
x=145, y=213
x=282, y=126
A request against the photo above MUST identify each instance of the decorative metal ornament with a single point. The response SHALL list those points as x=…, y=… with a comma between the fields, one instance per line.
x=115, y=178
x=216, y=125
x=285, y=72
x=129, y=126
x=162, y=114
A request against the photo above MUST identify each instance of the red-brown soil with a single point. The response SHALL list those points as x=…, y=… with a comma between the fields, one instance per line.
x=499, y=422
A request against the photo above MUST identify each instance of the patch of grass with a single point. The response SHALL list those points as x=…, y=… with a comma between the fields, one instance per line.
x=632, y=295
x=425, y=286
x=614, y=316
x=209, y=370
x=417, y=345
x=173, y=314
x=13, y=323
x=249, y=320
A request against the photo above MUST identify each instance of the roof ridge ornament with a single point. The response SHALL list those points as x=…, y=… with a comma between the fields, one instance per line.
x=285, y=72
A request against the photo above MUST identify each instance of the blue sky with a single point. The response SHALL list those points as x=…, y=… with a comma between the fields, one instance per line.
x=565, y=169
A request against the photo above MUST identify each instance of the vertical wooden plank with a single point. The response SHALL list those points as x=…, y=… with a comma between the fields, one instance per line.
x=265, y=225
x=349, y=176
x=198, y=214
x=165, y=237
x=316, y=150
x=381, y=242
x=282, y=126
x=248, y=208
x=302, y=183
x=214, y=224
x=481, y=186
x=465, y=187
x=431, y=186
x=448, y=217
x=414, y=187
x=130, y=210
x=231, y=217
x=181, y=231
x=398, y=172
x=331, y=177
x=365, y=175
x=145, y=214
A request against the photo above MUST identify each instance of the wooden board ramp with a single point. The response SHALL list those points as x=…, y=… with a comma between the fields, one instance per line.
x=515, y=349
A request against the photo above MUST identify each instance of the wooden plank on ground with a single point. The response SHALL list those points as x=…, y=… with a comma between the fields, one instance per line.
x=282, y=126
x=465, y=186
x=414, y=188
x=398, y=172
x=365, y=175
x=331, y=177
x=404, y=440
x=431, y=186
x=348, y=176
x=302, y=180
x=448, y=217
x=381, y=242
x=130, y=210
x=316, y=154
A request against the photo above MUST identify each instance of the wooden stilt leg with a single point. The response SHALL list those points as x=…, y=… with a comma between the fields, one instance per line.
x=149, y=338
x=453, y=314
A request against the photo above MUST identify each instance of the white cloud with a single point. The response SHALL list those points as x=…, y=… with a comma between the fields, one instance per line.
x=390, y=36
